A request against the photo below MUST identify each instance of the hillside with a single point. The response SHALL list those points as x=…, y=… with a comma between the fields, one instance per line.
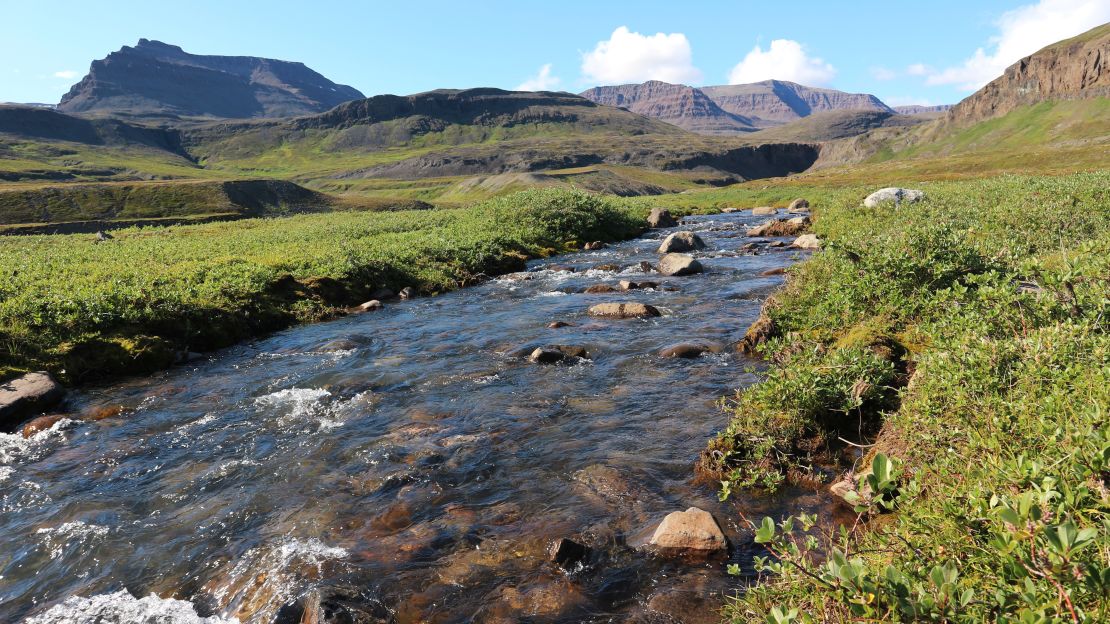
x=1077, y=68
x=154, y=78
x=917, y=109
x=832, y=125
x=679, y=105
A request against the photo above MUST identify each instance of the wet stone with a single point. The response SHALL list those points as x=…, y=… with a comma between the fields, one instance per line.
x=566, y=553
x=600, y=289
x=690, y=531
x=624, y=310
x=558, y=324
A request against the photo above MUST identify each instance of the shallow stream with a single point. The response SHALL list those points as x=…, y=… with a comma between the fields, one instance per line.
x=406, y=465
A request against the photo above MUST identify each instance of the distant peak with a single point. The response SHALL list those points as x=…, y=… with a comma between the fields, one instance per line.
x=154, y=45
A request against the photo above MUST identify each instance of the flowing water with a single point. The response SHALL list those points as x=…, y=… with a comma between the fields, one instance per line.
x=406, y=465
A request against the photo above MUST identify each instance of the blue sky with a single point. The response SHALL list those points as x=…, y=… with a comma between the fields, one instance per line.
x=904, y=52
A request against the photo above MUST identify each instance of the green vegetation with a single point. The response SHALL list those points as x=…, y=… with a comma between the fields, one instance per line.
x=83, y=309
x=965, y=340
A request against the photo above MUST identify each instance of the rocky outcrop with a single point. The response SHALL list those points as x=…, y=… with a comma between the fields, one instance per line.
x=623, y=310
x=1077, y=68
x=798, y=205
x=893, y=195
x=154, y=78
x=680, y=105
x=678, y=264
x=27, y=396
x=691, y=531
x=681, y=241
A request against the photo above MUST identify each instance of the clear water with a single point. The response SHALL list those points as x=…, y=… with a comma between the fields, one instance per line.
x=410, y=459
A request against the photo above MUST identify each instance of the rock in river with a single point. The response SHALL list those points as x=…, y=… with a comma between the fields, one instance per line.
x=600, y=288
x=763, y=211
x=807, y=241
x=684, y=350
x=661, y=218
x=624, y=310
x=27, y=396
x=893, y=195
x=566, y=552
x=556, y=353
x=681, y=241
x=780, y=227
x=798, y=205
x=690, y=531
x=677, y=264
x=369, y=306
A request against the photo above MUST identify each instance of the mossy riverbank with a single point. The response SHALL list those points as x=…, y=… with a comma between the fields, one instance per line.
x=962, y=343
x=86, y=310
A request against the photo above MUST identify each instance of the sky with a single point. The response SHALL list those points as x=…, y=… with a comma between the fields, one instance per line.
x=932, y=52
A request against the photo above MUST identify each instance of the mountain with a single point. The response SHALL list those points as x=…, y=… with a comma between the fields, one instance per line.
x=679, y=105
x=731, y=109
x=777, y=101
x=917, y=109
x=1073, y=69
x=154, y=78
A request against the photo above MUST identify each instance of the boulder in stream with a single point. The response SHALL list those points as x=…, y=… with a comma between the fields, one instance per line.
x=567, y=552
x=624, y=310
x=689, y=532
x=780, y=227
x=764, y=211
x=661, y=218
x=807, y=241
x=593, y=246
x=369, y=306
x=685, y=350
x=26, y=396
x=599, y=289
x=553, y=354
x=681, y=241
x=677, y=264
x=798, y=205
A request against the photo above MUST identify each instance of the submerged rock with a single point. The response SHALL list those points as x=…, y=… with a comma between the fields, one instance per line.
x=681, y=241
x=894, y=195
x=690, y=531
x=600, y=288
x=684, y=350
x=556, y=353
x=27, y=396
x=624, y=310
x=42, y=423
x=630, y=285
x=676, y=264
x=558, y=324
x=661, y=218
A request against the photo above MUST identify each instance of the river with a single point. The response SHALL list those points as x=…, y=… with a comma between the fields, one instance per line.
x=406, y=465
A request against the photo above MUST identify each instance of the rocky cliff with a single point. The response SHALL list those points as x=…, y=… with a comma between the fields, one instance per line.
x=154, y=78
x=777, y=101
x=918, y=109
x=679, y=105
x=1076, y=68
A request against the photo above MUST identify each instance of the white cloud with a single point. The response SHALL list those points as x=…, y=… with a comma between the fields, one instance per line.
x=882, y=73
x=784, y=59
x=631, y=57
x=1022, y=32
x=67, y=74
x=919, y=69
x=542, y=81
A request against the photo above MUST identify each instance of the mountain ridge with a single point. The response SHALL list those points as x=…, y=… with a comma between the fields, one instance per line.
x=159, y=79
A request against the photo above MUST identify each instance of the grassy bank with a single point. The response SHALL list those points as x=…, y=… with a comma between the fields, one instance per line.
x=86, y=310
x=963, y=343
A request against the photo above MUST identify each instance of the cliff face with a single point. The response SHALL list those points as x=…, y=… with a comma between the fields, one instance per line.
x=777, y=101
x=679, y=105
x=1076, y=68
x=154, y=78
x=917, y=109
